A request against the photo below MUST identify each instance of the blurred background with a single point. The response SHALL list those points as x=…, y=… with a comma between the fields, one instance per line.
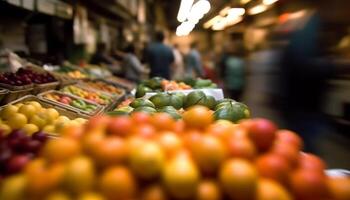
x=288, y=60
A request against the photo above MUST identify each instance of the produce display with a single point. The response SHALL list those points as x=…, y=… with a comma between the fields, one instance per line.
x=153, y=157
x=200, y=83
x=26, y=76
x=72, y=72
x=31, y=117
x=17, y=149
x=90, y=95
x=174, y=103
x=80, y=104
x=103, y=86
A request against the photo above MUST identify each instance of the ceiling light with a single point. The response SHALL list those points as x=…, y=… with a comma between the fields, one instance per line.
x=257, y=9
x=212, y=21
x=184, y=10
x=245, y=1
x=203, y=5
x=224, y=11
x=236, y=12
x=269, y=2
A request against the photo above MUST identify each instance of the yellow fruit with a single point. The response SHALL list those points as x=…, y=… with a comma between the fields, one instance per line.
x=62, y=119
x=91, y=196
x=29, y=129
x=80, y=120
x=52, y=114
x=58, y=196
x=37, y=105
x=17, y=121
x=38, y=121
x=49, y=129
x=27, y=110
x=80, y=175
x=19, y=104
x=13, y=188
x=5, y=128
x=8, y=111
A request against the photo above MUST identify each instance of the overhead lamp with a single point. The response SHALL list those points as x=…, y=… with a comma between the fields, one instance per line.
x=257, y=9
x=203, y=6
x=230, y=22
x=236, y=12
x=219, y=23
x=184, y=10
x=269, y=2
x=245, y=1
x=224, y=11
x=184, y=28
x=212, y=21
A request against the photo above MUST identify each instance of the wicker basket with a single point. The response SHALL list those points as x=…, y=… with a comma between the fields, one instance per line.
x=98, y=110
x=15, y=94
x=39, y=88
x=63, y=111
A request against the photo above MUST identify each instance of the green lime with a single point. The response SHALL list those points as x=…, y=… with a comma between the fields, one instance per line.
x=141, y=102
x=160, y=100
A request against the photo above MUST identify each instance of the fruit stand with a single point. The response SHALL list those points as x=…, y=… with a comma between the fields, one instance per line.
x=91, y=139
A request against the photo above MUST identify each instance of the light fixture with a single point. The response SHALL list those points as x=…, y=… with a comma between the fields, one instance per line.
x=269, y=2
x=236, y=12
x=257, y=9
x=230, y=22
x=190, y=15
x=245, y=1
x=184, y=10
x=224, y=11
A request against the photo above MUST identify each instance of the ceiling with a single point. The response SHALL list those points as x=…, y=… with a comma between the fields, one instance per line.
x=171, y=8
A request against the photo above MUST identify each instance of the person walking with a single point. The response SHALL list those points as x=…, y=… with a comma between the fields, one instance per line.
x=178, y=65
x=159, y=57
x=193, y=62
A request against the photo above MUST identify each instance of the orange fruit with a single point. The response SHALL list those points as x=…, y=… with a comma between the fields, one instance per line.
x=241, y=148
x=273, y=166
x=262, y=132
x=97, y=122
x=191, y=137
x=308, y=184
x=153, y=192
x=179, y=126
x=61, y=149
x=239, y=132
x=181, y=177
x=289, y=137
x=111, y=150
x=238, y=179
x=220, y=130
x=117, y=183
x=339, y=187
x=140, y=117
x=198, y=117
x=271, y=190
x=312, y=162
x=163, y=121
x=147, y=160
x=287, y=151
x=91, y=140
x=120, y=126
x=144, y=130
x=208, y=190
x=209, y=153
x=74, y=132
x=170, y=143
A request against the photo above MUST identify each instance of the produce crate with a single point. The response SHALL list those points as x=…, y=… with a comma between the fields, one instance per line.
x=107, y=107
x=122, y=90
x=116, y=99
x=64, y=80
x=39, y=88
x=3, y=93
x=98, y=110
x=126, y=84
x=15, y=94
x=63, y=111
x=14, y=87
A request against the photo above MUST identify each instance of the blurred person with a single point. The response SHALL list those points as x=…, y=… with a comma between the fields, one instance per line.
x=234, y=75
x=178, y=65
x=101, y=55
x=159, y=57
x=304, y=73
x=193, y=63
x=133, y=69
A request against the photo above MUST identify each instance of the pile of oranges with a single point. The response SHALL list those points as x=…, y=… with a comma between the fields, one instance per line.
x=154, y=157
